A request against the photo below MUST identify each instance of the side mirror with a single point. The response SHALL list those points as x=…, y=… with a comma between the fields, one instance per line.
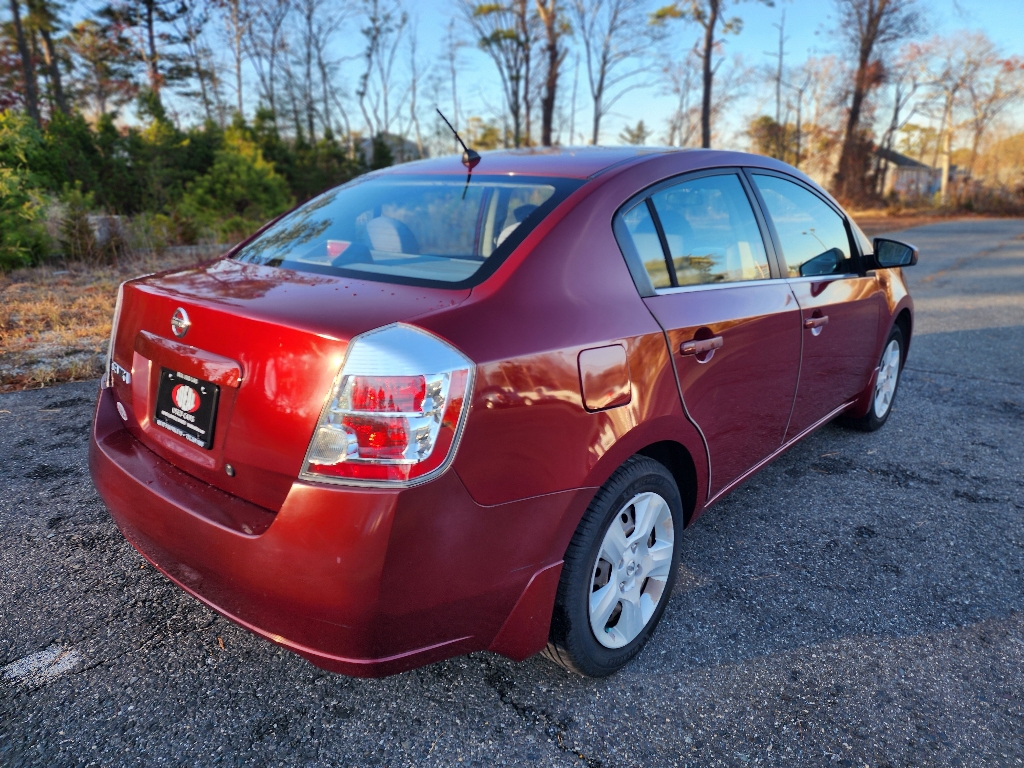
x=891, y=253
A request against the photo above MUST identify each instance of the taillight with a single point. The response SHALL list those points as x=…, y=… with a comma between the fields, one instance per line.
x=395, y=411
x=108, y=375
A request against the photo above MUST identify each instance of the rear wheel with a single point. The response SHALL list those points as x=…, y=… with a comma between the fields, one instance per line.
x=889, y=369
x=619, y=570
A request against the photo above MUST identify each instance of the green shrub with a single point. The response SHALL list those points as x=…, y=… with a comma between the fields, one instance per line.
x=240, y=190
x=23, y=201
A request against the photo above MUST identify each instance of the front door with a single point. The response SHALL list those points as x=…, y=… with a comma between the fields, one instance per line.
x=733, y=327
x=840, y=308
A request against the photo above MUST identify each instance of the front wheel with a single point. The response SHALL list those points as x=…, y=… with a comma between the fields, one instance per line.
x=619, y=570
x=889, y=369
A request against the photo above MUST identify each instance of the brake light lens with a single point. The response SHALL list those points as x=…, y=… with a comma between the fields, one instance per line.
x=108, y=375
x=395, y=411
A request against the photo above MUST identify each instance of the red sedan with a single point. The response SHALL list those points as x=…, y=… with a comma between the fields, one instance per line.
x=425, y=414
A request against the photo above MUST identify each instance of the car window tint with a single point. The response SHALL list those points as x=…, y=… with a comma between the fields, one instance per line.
x=711, y=231
x=642, y=232
x=812, y=235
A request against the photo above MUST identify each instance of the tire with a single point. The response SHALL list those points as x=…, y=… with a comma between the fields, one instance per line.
x=886, y=385
x=642, y=496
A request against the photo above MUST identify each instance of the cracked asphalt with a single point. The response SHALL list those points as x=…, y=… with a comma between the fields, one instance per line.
x=859, y=602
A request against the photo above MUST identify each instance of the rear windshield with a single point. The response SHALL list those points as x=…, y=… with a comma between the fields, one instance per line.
x=420, y=230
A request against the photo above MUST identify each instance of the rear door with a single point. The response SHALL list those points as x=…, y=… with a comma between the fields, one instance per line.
x=840, y=306
x=732, y=325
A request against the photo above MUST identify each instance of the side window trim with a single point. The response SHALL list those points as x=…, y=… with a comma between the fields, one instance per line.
x=665, y=250
x=749, y=172
x=635, y=264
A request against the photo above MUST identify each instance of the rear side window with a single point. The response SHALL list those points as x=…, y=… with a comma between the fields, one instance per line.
x=711, y=232
x=647, y=244
x=424, y=230
x=812, y=235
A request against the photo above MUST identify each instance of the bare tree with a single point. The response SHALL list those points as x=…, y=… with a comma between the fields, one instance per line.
x=555, y=30
x=954, y=66
x=505, y=31
x=709, y=15
x=682, y=78
x=999, y=86
x=616, y=38
x=309, y=11
x=237, y=18
x=266, y=41
x=386, y=23
x=825, y=93
x=904, y=79
x=452, y=45
x=414, y=81
x=868, y=28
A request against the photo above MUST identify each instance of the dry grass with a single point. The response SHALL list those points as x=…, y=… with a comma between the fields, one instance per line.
x=55, y=320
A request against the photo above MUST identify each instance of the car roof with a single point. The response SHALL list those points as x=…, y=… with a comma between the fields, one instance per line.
x=568, y=162
x=587, y=162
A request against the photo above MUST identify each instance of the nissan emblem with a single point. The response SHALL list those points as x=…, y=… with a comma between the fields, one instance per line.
x=180, y=322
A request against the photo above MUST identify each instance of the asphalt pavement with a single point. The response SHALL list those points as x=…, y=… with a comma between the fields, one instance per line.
x=859, y=602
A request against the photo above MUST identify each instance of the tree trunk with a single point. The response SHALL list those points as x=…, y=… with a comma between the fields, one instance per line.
x=151, y=65
x=709, y=73
x=527, y=42
x=28, y=73
x=849, y=182
x=549, y=15
x=40, y=10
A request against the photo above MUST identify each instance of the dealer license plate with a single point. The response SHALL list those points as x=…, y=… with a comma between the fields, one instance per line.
x=187, y=406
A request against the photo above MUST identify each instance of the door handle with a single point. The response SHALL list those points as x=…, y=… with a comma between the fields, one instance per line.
x=816, y=322
x=699, y=347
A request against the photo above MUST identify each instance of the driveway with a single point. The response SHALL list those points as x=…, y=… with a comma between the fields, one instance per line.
x=859, y=602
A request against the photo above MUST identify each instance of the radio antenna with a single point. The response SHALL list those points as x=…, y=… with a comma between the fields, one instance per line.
x=470, y=157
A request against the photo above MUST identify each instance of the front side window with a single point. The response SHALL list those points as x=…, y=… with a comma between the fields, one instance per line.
x=711, y=232
x=418, y=229
x=812, y=235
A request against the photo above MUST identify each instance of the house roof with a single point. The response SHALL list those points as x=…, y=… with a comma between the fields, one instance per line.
x=900, y=160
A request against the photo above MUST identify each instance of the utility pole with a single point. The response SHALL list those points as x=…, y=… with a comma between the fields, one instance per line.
x=946, y=147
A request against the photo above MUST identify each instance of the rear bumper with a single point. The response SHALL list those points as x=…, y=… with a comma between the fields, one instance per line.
x=366, y=582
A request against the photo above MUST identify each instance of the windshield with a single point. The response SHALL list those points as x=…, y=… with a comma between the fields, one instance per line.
x=421, y=230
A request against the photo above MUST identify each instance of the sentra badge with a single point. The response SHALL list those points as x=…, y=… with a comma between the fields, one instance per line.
x=180, y=322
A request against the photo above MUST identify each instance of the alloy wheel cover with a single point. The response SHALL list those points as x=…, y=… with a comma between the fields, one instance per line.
x=631, y=571
x=888, y=374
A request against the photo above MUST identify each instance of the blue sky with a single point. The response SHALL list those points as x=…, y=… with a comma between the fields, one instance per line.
x=809, y=29
x=809, y=25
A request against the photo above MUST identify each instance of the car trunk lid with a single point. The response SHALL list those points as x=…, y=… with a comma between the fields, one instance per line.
x=268, y=342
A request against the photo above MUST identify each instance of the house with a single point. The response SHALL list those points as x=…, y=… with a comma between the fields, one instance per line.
x=905, y=176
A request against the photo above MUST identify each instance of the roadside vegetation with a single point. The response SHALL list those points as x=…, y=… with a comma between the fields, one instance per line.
x=136, y=135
